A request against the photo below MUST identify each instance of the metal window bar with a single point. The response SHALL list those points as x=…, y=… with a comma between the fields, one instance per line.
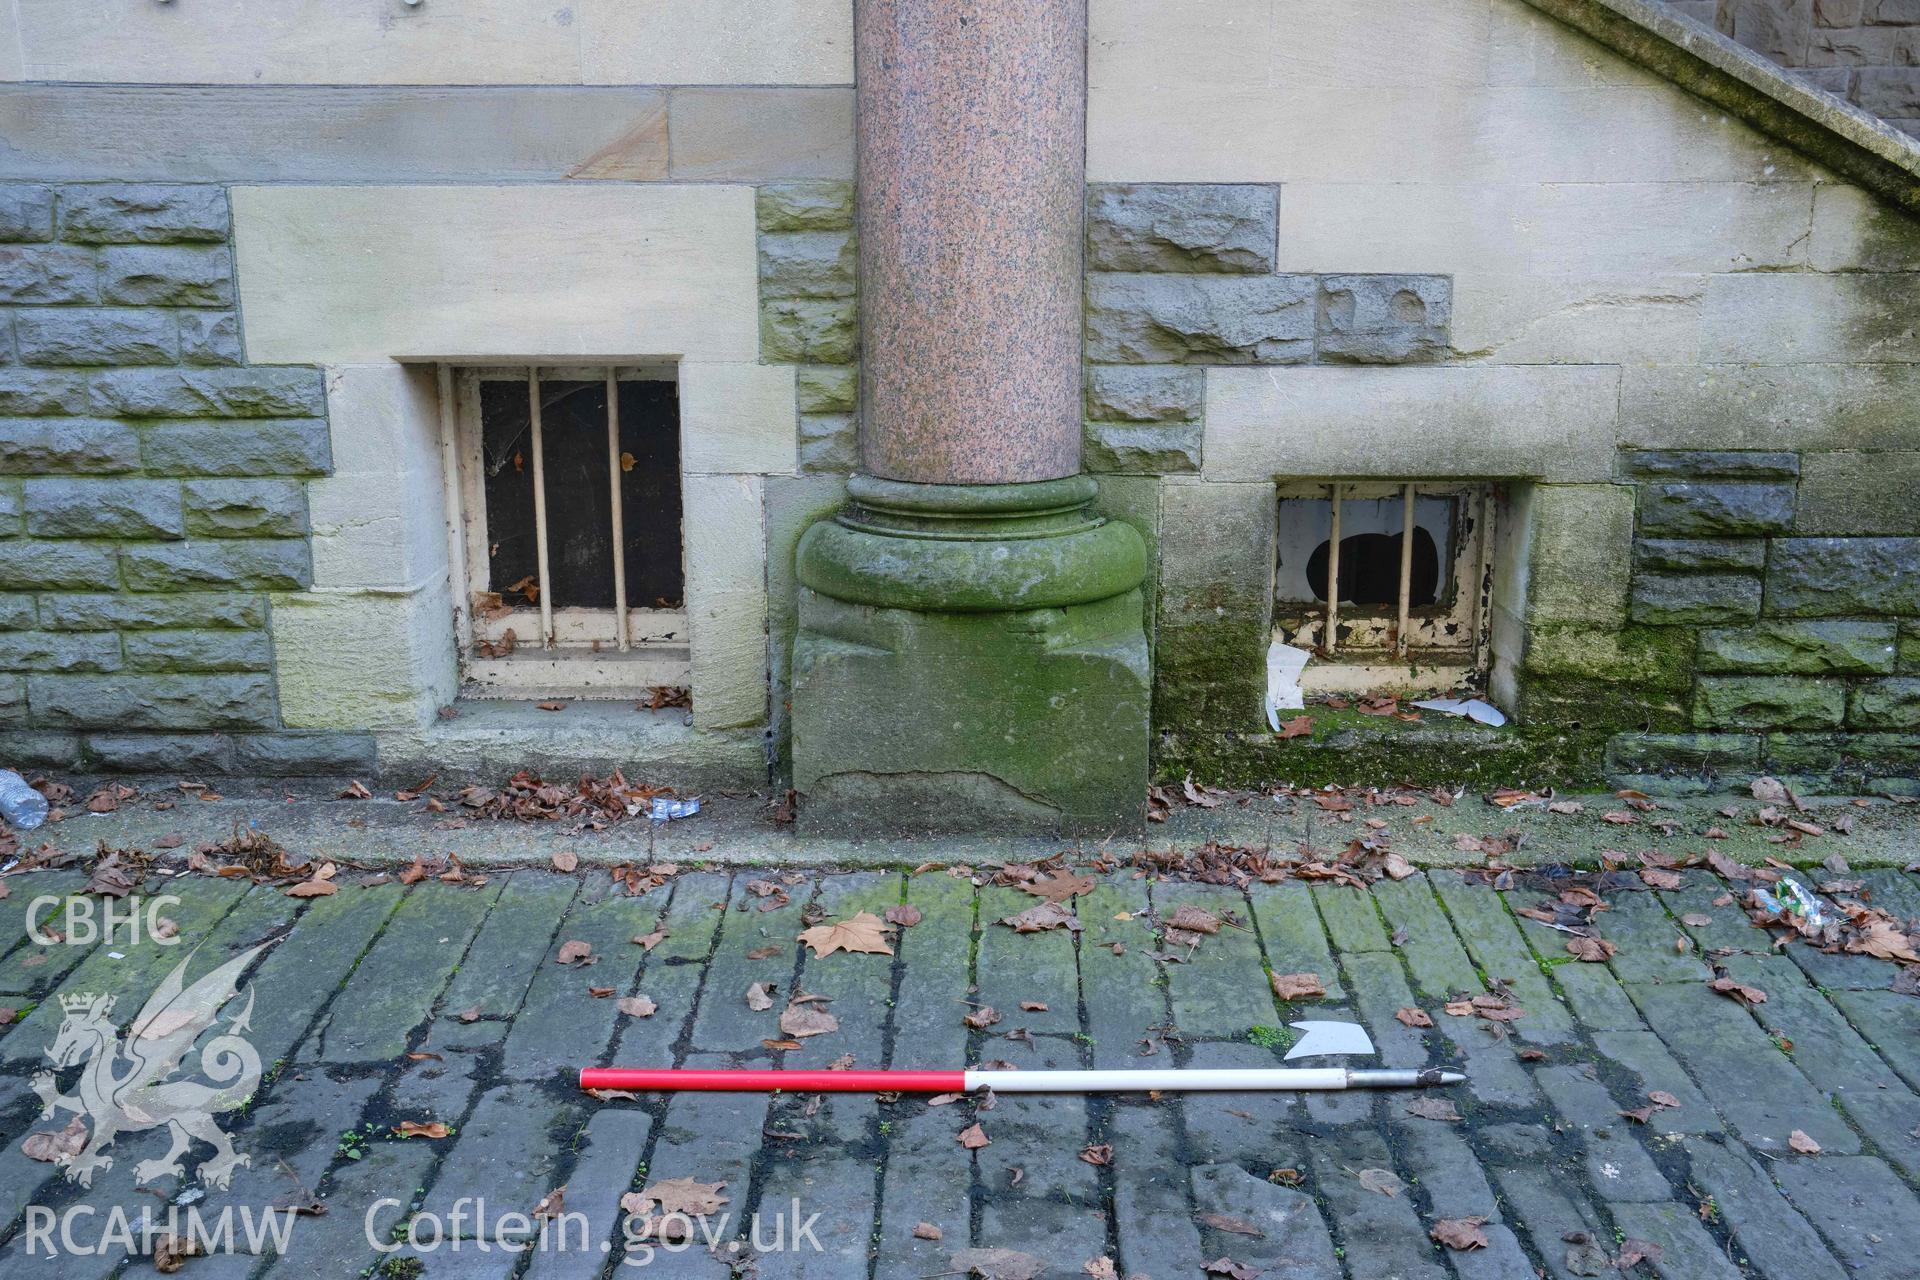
x=621, y=623
x=1330, y=642
x=1406, y=570
x=540, y=508
x=623, y=626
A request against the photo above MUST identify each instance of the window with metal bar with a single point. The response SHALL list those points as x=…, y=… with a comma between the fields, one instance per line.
x=570, y=501
x=1386, y=583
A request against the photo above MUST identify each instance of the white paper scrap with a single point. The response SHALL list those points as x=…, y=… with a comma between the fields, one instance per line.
x=1284, y=665
x=1471, y=708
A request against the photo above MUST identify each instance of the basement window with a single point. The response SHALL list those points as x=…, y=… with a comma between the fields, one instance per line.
x=570, y=531
x=1409, y=568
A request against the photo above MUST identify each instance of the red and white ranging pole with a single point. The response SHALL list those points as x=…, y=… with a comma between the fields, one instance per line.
x=1169, y=1080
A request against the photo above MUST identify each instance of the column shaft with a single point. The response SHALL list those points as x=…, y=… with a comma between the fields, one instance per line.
x=971, y=119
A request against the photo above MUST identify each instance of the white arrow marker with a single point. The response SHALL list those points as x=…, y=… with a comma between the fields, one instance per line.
x=1319, y=1039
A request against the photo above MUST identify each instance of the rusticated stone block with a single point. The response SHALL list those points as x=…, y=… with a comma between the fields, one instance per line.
x=245, y=508
x=152, y=702
x=827, y=388
x=1385, y=319
x=159, y=752
x=144, y=213
x=59, y=651
x=1150, y=393
x=195, y=650
x=167, y=276
x=1127, y=448
x=829, y=442
x=36, y=391
x=808, y=264
x=210, y=337
x=1699, y=555
x=62, y=508
x=1671, y=599
x=134, y=612
x=78, y=566
x=1144, y=318
x=1799, y=648
x=1834, y=577
x=249, y=564
x=292, y=754
x=48, y=273
x=1889, y=703
x=258, y=392
x=298, y=446
x=26, y=212
x=1767, y=702
x=1182, y=227
x=1681, y=752
x=95, y=337
x=809, y=331
x=1682, y=509
x=1702, y=464
x=804, y=206
x=30, y=446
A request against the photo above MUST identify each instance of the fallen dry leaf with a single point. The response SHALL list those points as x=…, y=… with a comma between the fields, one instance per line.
x=1100, y=1268
x=313, y=889
x=1194, y=920
x=973, y=1137
x=566, y=860
x=1592, y=950
x=926, y=1231
x=675, y=1195
x=551, y=1205
x=1043, y=916
x=1413, y=1017
x=636, y=1006
x=1225, y=1266
x=417, y=1129
x=648, y=941
x=1431, y=1108
x=1059, y=885
x=56, y=1146
x=1384, y=1181
x=1297, y=986
x=1662, y=1099
x=1298, y=727
x=1097, y=1153
x=170, y=1252
x=1460, y=1234
x=904, y=914
x=985, y=1016
x=1800, y=1142
x=573, y=951
x=760, y=997
x=1232, y=1225
x=1739, y=991
x=863, y=931
x=802, y=1020
x=1656, y=878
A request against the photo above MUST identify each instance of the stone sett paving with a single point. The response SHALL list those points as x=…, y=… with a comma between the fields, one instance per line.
x=445, y=1003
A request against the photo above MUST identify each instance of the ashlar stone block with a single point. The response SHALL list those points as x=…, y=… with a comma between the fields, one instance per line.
x=1182, y=227
x=1145, y=318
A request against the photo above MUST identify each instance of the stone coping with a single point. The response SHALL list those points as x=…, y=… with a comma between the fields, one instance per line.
x=1857, y=144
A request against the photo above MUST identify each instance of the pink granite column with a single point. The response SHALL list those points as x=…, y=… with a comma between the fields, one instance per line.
x=971, y=117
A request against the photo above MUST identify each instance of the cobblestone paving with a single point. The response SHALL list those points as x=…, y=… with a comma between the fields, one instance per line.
x=445, y=1003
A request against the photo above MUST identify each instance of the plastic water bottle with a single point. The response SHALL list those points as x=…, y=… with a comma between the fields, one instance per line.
x=20, y=804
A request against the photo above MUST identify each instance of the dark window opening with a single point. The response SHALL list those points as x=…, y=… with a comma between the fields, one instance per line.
x=1370, y=569
x=578, y=493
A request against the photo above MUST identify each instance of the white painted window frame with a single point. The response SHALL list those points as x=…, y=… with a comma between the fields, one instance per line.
x=1362, y=648
x=562, y=653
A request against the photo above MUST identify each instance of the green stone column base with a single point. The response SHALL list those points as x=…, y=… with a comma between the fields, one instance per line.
x=971, y=658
